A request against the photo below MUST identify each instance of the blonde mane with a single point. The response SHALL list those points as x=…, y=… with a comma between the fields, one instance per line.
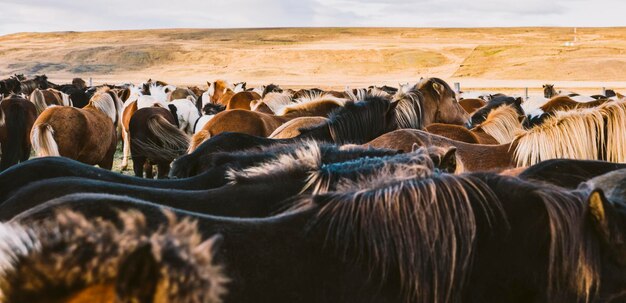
x=108, y=103
x=69, y=251
x=576, y=134
x=309, y=101
x=409, y=109
x=502, y=124
x=275, y=101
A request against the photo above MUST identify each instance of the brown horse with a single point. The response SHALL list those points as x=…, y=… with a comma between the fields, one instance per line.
x=216, y=90
x=242, y=100
x=292, y=128
x=127, y=113
x=155, y=139
x=500, y=127
x=566, y=103
x=439, y=104
x=471, y=157
x=549, y=91
x=471, y=105
x=17, y=117
x=87, y=135
x=261, y=124
x=271, y=103
x=44, y=98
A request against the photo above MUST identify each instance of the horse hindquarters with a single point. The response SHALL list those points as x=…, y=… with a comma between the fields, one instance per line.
x=42, y=139
x=16, y=148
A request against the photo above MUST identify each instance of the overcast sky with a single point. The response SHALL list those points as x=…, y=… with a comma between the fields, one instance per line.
x=77, y=15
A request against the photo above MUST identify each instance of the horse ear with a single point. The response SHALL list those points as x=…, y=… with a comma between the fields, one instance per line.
x=439, y=88
x=138, y=276
x=415, y=147
x=208, y=84
x=448, y=161
x=210, y=246
x=519, y=101
x=608, y=222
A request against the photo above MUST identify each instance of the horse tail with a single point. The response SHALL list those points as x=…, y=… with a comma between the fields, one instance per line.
x=39, y=100
x=197, y=139
x=173, y=141
x=16, y=131
x=43, y=141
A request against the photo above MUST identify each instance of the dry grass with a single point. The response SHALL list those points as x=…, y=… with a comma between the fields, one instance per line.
x=326, y=57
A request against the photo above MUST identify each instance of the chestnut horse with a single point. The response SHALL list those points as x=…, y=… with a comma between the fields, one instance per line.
x=471, y=105
x=44, y=98
x=293, y=128
x=241, y=100
x=17, y=117
x=261, y=124
x=87, y=135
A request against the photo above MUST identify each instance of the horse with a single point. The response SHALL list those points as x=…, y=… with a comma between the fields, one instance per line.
x=28, y=86
x=431, y=238
x=568, y=173
x=251, y=191
x=10, y=86
x=70, y=258
x=470, y=157
x=260, y=124
x=49, y=97
x=242, y=100
x=215, y=92
x=481, y=114
x=471, y=105
x=291, y=129
x=87, y=135
x=155, y=139
x=187, y=114
x=208, y=112
x=559, y=103
x=213, y=169
x=549, y=91
x=271, y=103
x=17, y=117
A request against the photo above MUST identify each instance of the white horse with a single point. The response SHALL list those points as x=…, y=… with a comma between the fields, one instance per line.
x=187, y=114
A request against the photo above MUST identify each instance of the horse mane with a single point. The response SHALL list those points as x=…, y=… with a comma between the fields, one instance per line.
x=275, y=101
x=364, y=173
x=358, y=122
x=424, y=229
x=306, y=157
x=502, y=124
x=357, y=95
x=399, y=228
x=309, y=101
x=409, y=112
x=107, y=103
x=576, y=134
x=68, y=252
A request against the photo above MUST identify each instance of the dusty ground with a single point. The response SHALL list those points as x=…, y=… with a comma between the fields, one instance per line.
x=498, y=58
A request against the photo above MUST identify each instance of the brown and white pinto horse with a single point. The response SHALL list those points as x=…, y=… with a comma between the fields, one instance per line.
x=44, y=98
x=17, y=116
x=87, y=135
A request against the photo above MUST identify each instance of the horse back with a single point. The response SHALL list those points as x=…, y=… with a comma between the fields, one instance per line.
x=243, y=121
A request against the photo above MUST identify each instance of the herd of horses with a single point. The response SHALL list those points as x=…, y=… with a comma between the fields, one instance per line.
x=382, y=194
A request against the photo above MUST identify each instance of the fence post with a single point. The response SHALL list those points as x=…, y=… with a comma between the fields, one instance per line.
x=90, y=81
x=526, y=93
x=603, y=91
x=457, y=87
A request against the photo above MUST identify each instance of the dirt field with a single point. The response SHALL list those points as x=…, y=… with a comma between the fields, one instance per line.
x=499, y=58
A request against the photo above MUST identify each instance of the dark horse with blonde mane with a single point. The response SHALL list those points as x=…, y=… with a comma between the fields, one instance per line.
x=384, y=240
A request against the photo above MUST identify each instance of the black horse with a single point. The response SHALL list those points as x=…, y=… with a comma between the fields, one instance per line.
x=17, y=117
x=213, y=176
x=253, y=191
x=568, y=173
x=481, y=114
x=471, y=238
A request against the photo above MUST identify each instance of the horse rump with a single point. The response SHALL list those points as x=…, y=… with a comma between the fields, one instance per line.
x=165, y=143
x=42, y=138
x=13, y=150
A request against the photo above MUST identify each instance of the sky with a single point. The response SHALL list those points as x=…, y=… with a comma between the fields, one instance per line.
x=87, y=15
